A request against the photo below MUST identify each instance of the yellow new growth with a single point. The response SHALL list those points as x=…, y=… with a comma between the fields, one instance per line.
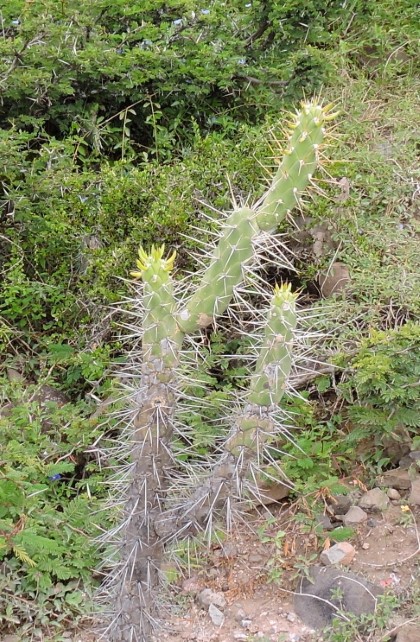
x=153, y=260
x=285, y=292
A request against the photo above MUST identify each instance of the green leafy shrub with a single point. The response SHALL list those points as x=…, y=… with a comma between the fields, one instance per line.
x=382, y=388
x=81, y=64
x=49, y=490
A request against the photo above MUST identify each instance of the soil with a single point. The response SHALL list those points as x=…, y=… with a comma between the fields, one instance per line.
x=257, y=574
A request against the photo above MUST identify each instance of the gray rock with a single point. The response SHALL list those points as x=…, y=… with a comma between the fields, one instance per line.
x=397, y=478
x=354, y=516
x=414, y=496
x=341, y=553
x=271, y=493
x=47, y=394
x=14, y=376
x=11, y=638
x=191, y=585
x=229, y=550
x=216, y=615
x=405, y=462
x=207, y=597
x=408, y=633
x=246, y=623
x=238, y=613
x=393, y=494
x=374, y=499
x=324, y=522
x=328, y=591
x=335, y=280
x=340, y=504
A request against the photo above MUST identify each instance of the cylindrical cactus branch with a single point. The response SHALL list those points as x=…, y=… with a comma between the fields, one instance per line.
x=214, y=292
x=254, y=426
x=306, y=134
x=141, y=549
x=274, y=361
x=161, y=337
x=272, y=370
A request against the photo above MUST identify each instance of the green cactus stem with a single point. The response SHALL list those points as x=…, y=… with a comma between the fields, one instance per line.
x=275, y=358
x=297, y=167
x=142, y=550
x=161, y=338
x=269, y=380
x=253, y=427
x=214, y=292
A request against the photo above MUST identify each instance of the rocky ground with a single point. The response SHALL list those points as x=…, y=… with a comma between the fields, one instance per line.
x=247, y=589
x=283, y=576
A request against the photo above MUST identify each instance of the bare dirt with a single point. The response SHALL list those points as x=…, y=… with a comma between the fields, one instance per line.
x=256, y=572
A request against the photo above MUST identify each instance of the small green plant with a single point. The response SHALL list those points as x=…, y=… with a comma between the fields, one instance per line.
x=382, y=388
x=364, y=628
x=406, y=518
x=48, y=492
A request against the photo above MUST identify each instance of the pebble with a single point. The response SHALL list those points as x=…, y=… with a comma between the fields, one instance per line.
x=240, y=615
x=240, y=635
x=341, y=553
x=229, y=550
x=325, y=522
x=191, y=585
x=354, y=516
x=216, y=615
x=393, y=494
x=207, y=597
x=340, y=504
x=374, y=499
x=246, y=623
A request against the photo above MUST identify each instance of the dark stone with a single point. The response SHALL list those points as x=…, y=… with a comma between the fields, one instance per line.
x=340, y=504
x=331, y=590
x=324, y=522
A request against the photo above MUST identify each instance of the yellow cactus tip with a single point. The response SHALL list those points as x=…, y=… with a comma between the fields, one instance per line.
x=154, y=258
x=284, y=291
x=328, y=114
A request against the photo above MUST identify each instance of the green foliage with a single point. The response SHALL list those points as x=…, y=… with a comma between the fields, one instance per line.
x=314, y=457
x=49, y=490
x=382, y=387
x=161, y=65
x=351, y=628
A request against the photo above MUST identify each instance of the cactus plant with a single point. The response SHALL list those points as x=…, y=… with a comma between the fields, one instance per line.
x=153, y=516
